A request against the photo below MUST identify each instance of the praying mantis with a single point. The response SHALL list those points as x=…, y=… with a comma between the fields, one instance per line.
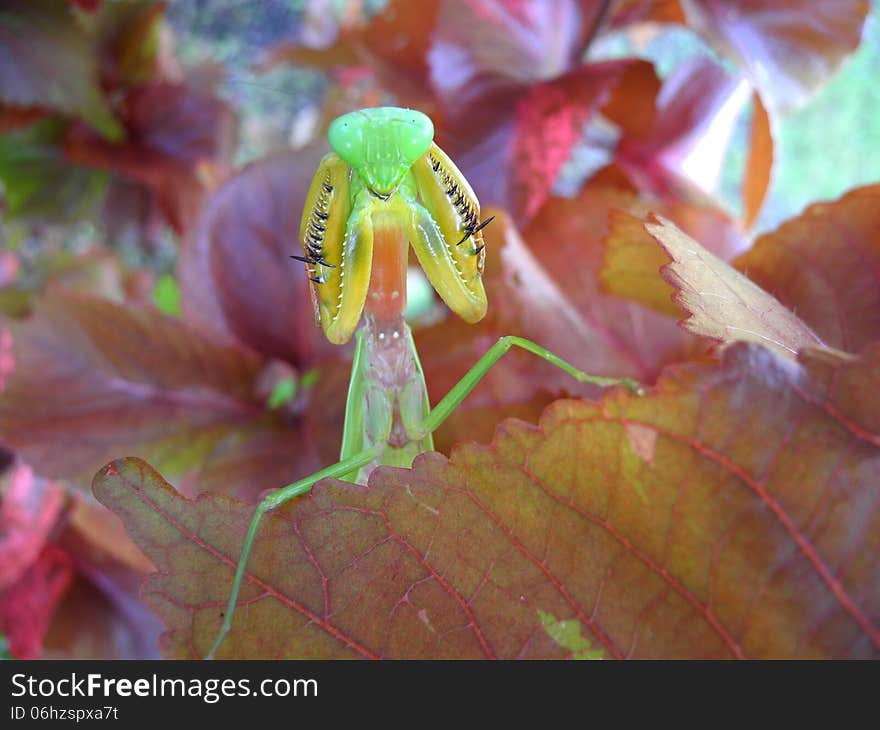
x=387, y=186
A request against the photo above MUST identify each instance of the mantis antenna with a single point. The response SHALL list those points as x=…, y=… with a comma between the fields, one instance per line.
x=384, y=188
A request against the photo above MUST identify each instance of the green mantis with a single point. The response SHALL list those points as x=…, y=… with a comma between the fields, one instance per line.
x=387, y=186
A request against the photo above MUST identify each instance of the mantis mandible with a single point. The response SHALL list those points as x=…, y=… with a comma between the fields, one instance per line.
x=385, y=186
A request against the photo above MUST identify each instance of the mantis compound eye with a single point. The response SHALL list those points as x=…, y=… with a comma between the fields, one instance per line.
x=381, y=144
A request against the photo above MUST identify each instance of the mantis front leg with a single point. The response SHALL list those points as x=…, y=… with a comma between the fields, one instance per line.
x=350, y=464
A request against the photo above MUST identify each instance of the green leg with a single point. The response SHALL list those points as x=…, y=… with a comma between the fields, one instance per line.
x=460, y=390
x=271, y=501
x=353, y=429
x=352, y=463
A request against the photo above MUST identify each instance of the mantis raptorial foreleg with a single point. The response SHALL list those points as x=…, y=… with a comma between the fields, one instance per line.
x=433, y=421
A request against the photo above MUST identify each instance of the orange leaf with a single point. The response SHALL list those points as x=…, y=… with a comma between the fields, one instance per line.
x=759, y=164
x=632, y=265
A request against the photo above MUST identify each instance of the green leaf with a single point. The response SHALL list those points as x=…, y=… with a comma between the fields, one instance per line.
x=568, y=635
x=283, y=392
x=166, y=295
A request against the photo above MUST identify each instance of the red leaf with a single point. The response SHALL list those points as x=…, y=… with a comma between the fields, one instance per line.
x=101, y=615
x=511, y=144
x=656, y=147
x=120, y=379
x=173, y=130
x=825, y=265
x=29, y=510
x=481, y=44
x=515, y=98
x=657, y=525
x=788, y=47
x=26, y=607
x=549, y=123
x=41, y=40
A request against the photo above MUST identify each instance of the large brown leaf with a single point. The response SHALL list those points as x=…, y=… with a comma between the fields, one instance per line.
x=728, y=513
x=128, y=380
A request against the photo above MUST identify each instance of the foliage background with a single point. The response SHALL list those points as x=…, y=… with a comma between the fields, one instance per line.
x=153, y=163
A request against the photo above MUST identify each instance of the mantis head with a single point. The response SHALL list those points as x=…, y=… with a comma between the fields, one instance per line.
x=386, y=176
x=381, y=144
